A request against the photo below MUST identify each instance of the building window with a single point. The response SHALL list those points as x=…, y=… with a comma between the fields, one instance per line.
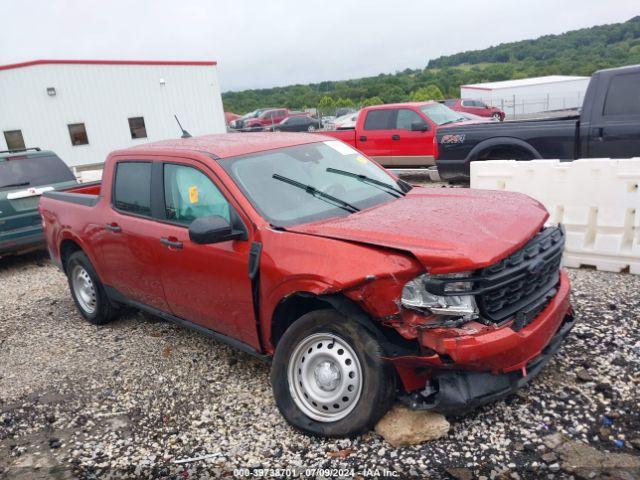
x=78, y=134
x=137, y=127
x=14, y=140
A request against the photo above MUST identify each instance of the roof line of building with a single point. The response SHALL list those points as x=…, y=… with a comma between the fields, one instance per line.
x=106, y=62
x=558, y=79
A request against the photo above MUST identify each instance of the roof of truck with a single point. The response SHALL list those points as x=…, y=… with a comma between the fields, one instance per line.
x=226, y=145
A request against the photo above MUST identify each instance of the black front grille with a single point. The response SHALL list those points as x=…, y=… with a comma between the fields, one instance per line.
x=518, y=286
x=523, y=281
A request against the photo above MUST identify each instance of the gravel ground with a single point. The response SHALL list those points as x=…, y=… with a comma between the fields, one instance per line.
x=129, y=399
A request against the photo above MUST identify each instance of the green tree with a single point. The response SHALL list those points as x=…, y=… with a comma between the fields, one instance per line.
x=430, y=92
x=370, y=102
x=326, y=106
x=345, y=103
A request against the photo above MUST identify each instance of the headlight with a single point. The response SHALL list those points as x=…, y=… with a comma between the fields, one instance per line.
x=415, y=295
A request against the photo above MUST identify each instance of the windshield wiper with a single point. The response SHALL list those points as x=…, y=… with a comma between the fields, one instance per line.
x=385, y=187
x=318, y=194
x=17, y=184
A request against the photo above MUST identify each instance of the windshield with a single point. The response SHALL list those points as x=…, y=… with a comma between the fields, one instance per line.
x=313, y=165
x=441, y=114
x=33, y=171
x=253, y=114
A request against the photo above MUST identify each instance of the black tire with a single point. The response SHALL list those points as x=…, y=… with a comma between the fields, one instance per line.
x=378, y=386
x=103, y=311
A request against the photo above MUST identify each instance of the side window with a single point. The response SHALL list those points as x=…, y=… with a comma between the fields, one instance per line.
x=623, y=96
x=406, y=117
x=132, y=192
x=379, y=119
x=190, y=194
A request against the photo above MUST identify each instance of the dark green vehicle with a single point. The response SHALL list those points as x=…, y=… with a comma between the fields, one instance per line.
x=24, y=176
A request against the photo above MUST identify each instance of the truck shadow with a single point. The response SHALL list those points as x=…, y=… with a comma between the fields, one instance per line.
x=37, y=257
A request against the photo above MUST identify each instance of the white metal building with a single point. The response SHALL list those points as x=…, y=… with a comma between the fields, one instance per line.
x=83, y=109
x=530, y=95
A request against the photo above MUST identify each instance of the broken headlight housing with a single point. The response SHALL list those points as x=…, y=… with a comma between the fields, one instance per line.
x=415, y=295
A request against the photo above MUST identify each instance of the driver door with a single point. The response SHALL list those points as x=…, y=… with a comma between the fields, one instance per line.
x=204, y=284
x=411, y=147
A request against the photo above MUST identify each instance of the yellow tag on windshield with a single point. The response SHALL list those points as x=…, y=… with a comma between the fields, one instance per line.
x=361, y=159
x=193, y=194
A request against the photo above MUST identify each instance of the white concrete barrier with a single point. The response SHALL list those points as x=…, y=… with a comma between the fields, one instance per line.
x=597, y=200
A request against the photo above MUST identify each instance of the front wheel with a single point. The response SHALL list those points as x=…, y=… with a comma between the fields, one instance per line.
x=497, y=117
x=311, y=128
x=328, y=376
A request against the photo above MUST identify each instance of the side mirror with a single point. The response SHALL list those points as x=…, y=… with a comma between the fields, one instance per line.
x=419, y=127
x=212, y=229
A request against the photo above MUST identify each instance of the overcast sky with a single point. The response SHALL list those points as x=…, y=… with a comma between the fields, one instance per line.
x=265, y=43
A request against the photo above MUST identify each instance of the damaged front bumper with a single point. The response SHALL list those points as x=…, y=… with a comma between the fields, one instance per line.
x=459, y=391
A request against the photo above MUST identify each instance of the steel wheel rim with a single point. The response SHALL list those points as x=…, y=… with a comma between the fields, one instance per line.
x=325, y=377
x=84, y=289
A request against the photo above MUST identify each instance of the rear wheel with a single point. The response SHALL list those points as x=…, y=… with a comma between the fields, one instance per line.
x=328, y=376
x=311, y=128
x=87, y=290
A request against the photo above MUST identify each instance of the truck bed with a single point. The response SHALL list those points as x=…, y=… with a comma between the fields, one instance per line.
x=82, y=194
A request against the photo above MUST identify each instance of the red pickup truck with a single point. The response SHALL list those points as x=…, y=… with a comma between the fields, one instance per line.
x=401, y=134
x=296, y=247
x=267, y=118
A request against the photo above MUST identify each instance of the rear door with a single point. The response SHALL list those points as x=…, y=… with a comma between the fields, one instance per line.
x=615, y=129
x=128, y=246
x=411, y=147
x=205, y=284
x=375, y=137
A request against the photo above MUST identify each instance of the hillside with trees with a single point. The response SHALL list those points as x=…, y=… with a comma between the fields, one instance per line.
x=579, y=52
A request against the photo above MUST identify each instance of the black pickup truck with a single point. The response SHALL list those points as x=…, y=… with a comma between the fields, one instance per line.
x=608, y=127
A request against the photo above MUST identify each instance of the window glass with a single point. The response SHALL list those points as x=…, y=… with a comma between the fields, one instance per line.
x=78, y=134
x=450, y=103
x=623, y=96
x=34, y=171
x=132, y=192
x=190, y=194
x=406, y=117
x=137, y=127
x=284, y=204
x=14, y=140
x=440, y=114
x=378, y=119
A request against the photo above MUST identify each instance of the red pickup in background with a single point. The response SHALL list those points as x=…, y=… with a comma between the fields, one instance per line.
x=401, y=134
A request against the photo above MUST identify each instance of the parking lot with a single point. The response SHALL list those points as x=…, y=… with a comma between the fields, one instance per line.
x=134, y=398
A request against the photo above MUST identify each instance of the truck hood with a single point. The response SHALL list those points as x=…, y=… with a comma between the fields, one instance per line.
x=448, y=229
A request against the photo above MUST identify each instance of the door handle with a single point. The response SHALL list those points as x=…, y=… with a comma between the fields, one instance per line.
x=113, y=227
x=363, y=138
x=171, y=242
x=395, y=137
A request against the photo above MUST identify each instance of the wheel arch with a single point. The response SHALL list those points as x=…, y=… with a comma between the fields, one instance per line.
x=491, y=143
x=68, y=247
x=292, y=307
